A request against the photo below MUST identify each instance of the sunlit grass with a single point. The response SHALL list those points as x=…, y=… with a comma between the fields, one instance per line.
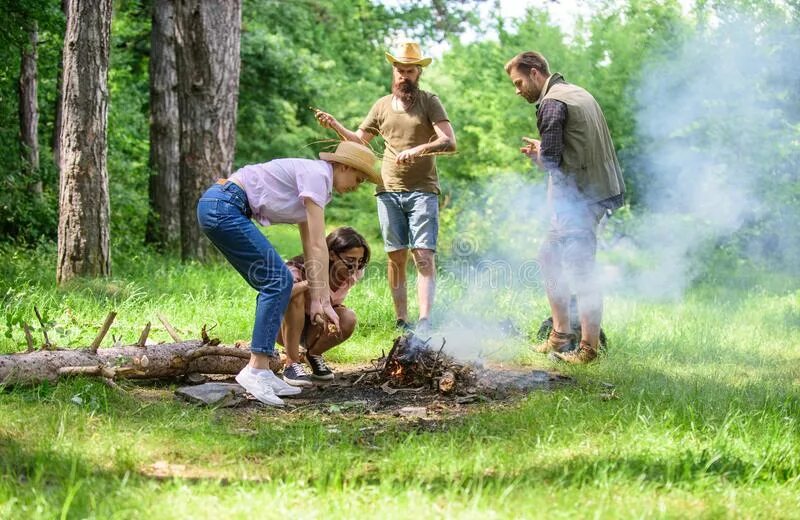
x=702, y=421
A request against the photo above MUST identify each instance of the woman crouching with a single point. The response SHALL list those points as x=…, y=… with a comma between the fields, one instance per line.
x=348, y=255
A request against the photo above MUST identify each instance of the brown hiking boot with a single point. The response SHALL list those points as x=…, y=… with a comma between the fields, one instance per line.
x=555, y=342
x=585, y=353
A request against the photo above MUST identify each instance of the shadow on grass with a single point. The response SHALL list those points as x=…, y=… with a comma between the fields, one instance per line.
x=59, y=479
x=689, y=470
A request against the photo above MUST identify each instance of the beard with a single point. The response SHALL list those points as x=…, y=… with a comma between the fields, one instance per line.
x=406, y=91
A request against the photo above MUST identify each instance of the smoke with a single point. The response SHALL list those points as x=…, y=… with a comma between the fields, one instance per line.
x=718, y=122
x=491, y=275
x=715, y=167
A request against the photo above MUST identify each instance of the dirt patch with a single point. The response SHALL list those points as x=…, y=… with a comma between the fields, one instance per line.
x=354, y=392
x=351, y=393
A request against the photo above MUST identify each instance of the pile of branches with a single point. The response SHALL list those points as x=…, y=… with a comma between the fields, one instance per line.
x=413, y=363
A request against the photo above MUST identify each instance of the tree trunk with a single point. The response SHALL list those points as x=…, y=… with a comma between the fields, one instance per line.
x=29, y=112
x=164, y=225
x=207, y=48
x=58, y=119
x=128, y=362
x=83, y=198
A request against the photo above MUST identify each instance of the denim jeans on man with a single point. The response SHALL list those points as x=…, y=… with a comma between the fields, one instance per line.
x=224, y=217
x=408, y=219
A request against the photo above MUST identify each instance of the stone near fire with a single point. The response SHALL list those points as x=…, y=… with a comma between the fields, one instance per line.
x=413, y=411
x=222, y=395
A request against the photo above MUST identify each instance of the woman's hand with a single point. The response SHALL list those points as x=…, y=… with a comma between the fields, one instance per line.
x=322, y=311
x=299, y=288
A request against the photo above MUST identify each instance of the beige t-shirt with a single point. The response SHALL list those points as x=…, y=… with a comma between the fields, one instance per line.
x=402, y=130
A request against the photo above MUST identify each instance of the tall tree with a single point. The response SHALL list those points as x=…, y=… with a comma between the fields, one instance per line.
x=59, y=116
x=29, y=111
x=164, y=225
x=83, y=247
x=207, y=48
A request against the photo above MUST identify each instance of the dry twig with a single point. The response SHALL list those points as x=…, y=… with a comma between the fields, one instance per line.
x=170, y=330
x=103, y=331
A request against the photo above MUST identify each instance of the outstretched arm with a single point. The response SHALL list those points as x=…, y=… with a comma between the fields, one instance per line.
x=328, y=121
x=445, y=142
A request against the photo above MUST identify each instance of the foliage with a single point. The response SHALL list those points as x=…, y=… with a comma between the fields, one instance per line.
x=330, y=55
x=23, y=217
x=327, y=55
x=128, y=117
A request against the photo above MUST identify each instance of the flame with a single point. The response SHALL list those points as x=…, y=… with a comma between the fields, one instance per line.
x=397, y=372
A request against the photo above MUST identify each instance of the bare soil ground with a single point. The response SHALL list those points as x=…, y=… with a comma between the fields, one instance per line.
x=354, y=393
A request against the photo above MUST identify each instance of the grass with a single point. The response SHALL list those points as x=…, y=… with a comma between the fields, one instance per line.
x=704, y=421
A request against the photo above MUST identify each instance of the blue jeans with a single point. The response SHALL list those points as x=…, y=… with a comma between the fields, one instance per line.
x=224, y=217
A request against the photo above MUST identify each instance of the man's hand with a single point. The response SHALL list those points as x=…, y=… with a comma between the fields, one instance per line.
x=408, y=156
x=531, y=149
x=326, y=120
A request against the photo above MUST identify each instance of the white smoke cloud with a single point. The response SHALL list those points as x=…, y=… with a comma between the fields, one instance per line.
x=710, y=115
x=716, y=119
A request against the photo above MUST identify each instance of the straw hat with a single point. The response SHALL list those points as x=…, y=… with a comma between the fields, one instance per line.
x=408, y=53
x=356, y=155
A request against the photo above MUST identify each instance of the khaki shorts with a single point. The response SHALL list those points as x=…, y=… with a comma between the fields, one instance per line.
x=572, y=240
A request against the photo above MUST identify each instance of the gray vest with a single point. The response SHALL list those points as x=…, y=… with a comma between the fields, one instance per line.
x=589, y=158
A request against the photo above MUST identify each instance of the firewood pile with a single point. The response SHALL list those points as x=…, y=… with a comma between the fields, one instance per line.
x=413, y=364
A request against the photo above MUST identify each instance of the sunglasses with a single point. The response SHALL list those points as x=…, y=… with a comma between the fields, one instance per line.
x=351, y=264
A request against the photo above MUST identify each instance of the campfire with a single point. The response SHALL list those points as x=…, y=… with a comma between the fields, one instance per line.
x=413, y=364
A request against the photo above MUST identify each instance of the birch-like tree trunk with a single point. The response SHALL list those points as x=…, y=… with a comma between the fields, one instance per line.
x=207, y=47
x=29, y=111
x=164, y=223
x=83, y=199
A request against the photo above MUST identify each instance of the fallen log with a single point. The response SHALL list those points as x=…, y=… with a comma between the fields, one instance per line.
x=124, y=362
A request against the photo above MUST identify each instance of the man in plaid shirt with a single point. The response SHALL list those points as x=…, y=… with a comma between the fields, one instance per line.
x=584, y=185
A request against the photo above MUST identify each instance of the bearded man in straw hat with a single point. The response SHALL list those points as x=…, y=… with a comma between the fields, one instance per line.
x=415, y=128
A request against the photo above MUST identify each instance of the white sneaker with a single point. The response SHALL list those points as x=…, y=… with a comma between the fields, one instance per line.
x=259, y=385
x=281, y=387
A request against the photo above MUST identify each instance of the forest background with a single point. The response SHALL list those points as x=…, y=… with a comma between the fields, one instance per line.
x=297, y=55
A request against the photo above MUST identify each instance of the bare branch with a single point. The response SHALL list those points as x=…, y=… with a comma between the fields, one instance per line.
x=143, y=337
x=170, y=330
x=47, y=344
x=28, y=337
x=103, y=331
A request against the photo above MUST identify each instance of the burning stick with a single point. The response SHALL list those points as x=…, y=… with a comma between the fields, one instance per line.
x=447, y=382
x=412, y=363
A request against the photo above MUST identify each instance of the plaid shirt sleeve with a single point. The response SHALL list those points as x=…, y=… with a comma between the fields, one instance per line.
x=550, y=119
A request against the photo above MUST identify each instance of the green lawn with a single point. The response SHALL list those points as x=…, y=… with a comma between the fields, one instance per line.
x=704, y=422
